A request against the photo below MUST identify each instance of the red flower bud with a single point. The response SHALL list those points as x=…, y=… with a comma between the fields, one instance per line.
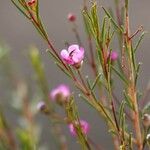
x=31, y=2
x=71, y=17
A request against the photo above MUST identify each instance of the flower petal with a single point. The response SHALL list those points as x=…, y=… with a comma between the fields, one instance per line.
x=78, y=56
x=64, y=89
x=64, y=54
x=73, y=47
x=53, y=93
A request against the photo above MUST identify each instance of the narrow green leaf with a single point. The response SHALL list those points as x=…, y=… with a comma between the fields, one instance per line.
x=86, y=24
x=121, y=111
x=89, y=23
x=95, y=19
x=112, y=35
x=37, y=9
x=21, y=10
x=96, y=81
x=113, y=132
x=93, y=22
x=113, y=21
x=123, y=126
x=42, y=28
x=99, y=55
x=128, y=101
x=137, y=72
x=90, y=87
x=111, y=12
x=39, y=30
x=120, y=75
x=103, y=35
x=88, y=83
x=133, y=58
x=139, y=41
x=130, y=142
x=53, y=55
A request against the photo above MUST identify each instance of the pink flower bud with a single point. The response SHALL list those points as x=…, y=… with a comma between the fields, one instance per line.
x=73, y=56
x=113, y=55
x=84, y=127
x=41, y=106
x=71, y=17
x=61, y=93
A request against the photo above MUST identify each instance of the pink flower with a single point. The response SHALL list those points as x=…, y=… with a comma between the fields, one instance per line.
x=73, y=56
x=84, y=127
x=61, y=92
x=71, y=17
x=113, y=55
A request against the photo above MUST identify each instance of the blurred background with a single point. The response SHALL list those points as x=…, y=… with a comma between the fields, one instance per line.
x=19, y=34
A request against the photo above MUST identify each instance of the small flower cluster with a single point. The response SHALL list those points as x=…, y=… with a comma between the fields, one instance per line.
x=61, y=95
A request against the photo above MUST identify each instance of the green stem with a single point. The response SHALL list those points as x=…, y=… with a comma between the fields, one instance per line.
x=132, y=87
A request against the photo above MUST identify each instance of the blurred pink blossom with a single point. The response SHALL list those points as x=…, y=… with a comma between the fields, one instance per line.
x=113, y=55
x=60, y=92
x=84, y=127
